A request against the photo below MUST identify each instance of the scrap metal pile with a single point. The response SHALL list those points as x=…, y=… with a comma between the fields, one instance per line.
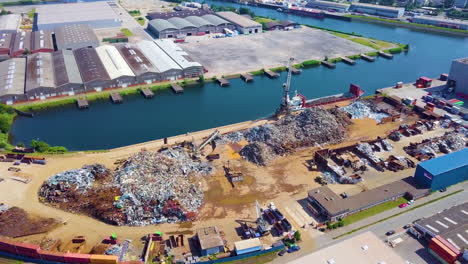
x=361, y=109
x=149, y=188
x=313, y=126
x=429, y=148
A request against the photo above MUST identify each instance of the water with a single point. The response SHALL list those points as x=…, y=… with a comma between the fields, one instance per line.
x=137, y=120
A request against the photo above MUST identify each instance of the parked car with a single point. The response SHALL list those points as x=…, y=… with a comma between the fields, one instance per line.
x=389, y=233
x=406, y=226
x=294, y=249
x=403, y=205
x=443, y=190
x=410, y=202
x=282, y=252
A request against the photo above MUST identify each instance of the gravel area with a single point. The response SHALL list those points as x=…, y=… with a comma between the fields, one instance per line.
x=252, y=52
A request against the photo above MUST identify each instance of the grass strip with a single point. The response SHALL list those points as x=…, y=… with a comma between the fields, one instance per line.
x=373, y=211
x=400, y=213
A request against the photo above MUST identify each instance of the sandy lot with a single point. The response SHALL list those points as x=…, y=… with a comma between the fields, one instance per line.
x=245, y=53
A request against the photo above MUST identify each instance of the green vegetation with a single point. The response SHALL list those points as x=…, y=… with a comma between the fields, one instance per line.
x=140, y=20
x=414, y=207
x=373, y=43
x=457, y=14
x=278, y=69
x=310, y=63
x=334, y=60
x=354, y=57
x=261, y=19
x=394, y=50
x=415, y=25
x=335, y=31
x=126, y=32
x=43, y=147
x=7, y=114
x=259, y=72
x=31, y=13
x=259, y=259
x=341, y=35
x=223, y=8
x=373, y=211
x=134, y=12
x=4, y=12
x=297, y=235
x=37, y=106
x=372, y=53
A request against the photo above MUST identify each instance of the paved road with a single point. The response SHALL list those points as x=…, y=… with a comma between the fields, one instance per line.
x=391, y=224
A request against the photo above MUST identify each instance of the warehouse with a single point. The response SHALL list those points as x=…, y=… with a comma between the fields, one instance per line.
x=220, y=23
x=116, y=66
x=323, y=202
x=21, y=45
x=39, y=76
x=96, y=14
x=167, y=67
x=202, y=24
x=6, y=40
x=190, y=68
x=443, y=171
x=210, y=240
x=93, y=73
x=281, y=25
x=377, y=10
x=328, y=6
x=458, y=76
x=185, y=27
x=12, y=75
x=10, y=23
x=145, y=71
x=364, y=248
x=162, y=28
x=183, y=13
x=67, y=76
x=248, y=245
x=449, y=224
x=441, y=22
x=243, y=24
x=42, y=41
x=75, y=36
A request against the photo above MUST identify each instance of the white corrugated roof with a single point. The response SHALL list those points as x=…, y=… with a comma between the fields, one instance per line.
x=248, y=243
x=10, y=22
x=176, y=53
x=74, y=12
x=115, y=64
x=157, y=56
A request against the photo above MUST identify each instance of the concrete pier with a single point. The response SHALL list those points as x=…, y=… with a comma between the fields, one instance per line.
x=147, y=93
x=328, y=64
x=222, y=82
x=116, y=98
x=367, y=58
x=177, y=88
x=247, y=77
x=348, y=60
x=271, y=74
x=385, y=55
x=82, y=103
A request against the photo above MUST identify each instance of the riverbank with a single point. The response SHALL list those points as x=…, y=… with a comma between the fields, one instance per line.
x=415, y=26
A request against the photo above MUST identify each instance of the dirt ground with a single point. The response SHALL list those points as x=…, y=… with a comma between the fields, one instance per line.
x=147, y=6
x=15, y=222
x=285, y=182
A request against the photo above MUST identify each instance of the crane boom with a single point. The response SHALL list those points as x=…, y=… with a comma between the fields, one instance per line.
x=284, y=107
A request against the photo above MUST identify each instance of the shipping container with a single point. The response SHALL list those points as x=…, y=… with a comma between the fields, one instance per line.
x=455, y=250
x=77, y=258
x=443, y=251
x=7, y=246
x=103, y=259
x=52, y=256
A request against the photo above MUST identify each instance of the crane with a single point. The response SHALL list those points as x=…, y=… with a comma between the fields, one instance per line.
x=284, y=106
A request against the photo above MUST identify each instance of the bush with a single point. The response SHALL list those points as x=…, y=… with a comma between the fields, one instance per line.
x=310, y=63
x=297, y=236
x=57, y=149
x=5, y=124
x=39, y=146
x=395, y=50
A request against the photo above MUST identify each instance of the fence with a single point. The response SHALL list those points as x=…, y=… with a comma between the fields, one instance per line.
x=243, y=256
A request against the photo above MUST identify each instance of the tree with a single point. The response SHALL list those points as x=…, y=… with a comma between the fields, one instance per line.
x=297, y=235
x=21, y=145
x=448, y=3
x=201, y=79
x=39, y=146
x=4, y=124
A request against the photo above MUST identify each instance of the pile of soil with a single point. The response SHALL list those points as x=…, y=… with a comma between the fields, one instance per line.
x=15, y=222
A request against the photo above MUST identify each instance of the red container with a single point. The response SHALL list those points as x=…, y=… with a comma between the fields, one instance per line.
x=443, y=251
x=423, y=82
x=7, y=246
x=51, y=256
x=77, y=258
x=449, y=245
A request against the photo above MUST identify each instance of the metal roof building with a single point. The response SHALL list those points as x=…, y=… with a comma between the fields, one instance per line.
x=145, y=71
x=21, y=44
x=210, y=240
x=248, y=245
x=458, y=75
x=377, y=10
x=12, y=77
x=180, y=23
x=328, y=5
x=116, y=66
x=39, y=76
x=441, y=22
x=183, y=13
x=162, y=28
x=6, y=40
x=10, y=23
x=190, y=67
x=198, y=21
x=75, y=37
x=41, y=41
x=92, y=71
x=96, y=14
x=443, y=171
x=168, y=68
x=244, y=25
x=66, y=72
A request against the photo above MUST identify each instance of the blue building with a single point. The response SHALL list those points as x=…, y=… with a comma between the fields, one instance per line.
x=441, y=172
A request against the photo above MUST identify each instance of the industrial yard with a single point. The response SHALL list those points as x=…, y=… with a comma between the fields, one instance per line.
x=238, y=54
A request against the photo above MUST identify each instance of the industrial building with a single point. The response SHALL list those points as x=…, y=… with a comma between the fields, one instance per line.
x=168, y=68
x=441, y=22
x=248, y=245
x=145, y=71
x=328, y=6
x=377, y=10
x=75, y=36
x=40, y=82
x=365, y=248
x=41, y=41
x=458, y=76
x=443, y=171
x=219, y=23
x=210, y=240
x=67, y=76
x=190, y=68
x=450, y=224
x=21, y=44
x=281, y=25
x=6, y=40
x=243, y=24
x=12, y=78
x=10, y=23
x=325, y=203
x=93, y=73
x=188, y=26
x=116, y=67
x=183, y=13
x=460, y=3
x=95, y=14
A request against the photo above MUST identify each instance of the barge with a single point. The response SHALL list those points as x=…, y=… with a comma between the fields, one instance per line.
x=299, y=101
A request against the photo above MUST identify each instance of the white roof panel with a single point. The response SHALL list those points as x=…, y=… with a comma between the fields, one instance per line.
x=176, y=53
x=157, y=56
x=113, y=62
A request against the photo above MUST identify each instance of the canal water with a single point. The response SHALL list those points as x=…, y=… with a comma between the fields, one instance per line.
x=105, y=125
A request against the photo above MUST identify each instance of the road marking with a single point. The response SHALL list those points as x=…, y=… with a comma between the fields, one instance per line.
x=453, y=243
x=465, y=212
x=442, y=224
x=462, y=238
x=450, y=220
x=432, y=228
